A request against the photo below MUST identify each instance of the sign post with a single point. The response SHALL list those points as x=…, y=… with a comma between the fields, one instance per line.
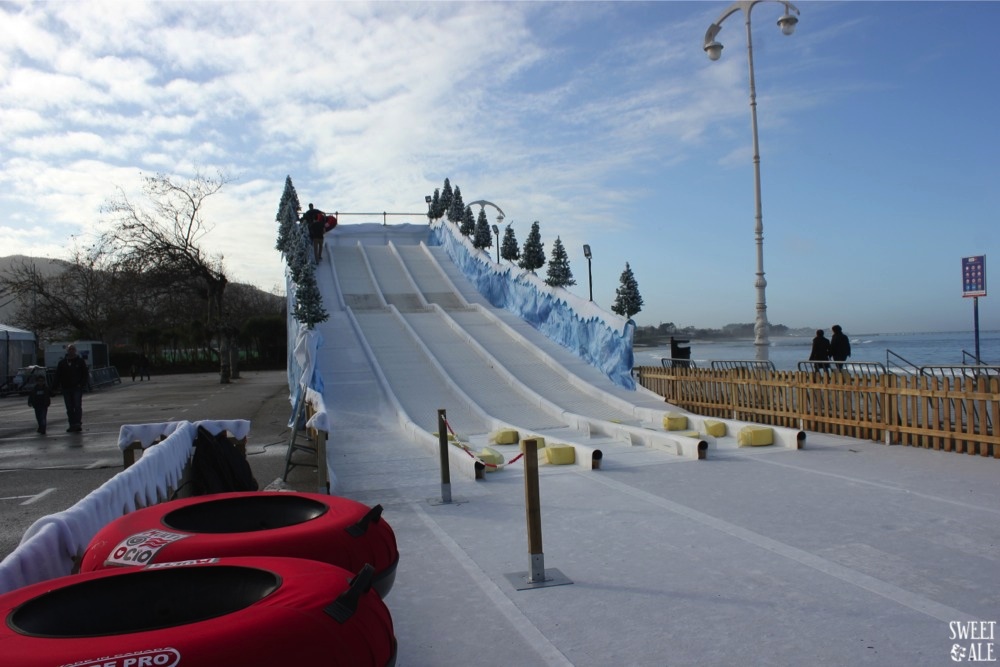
x=974, y=286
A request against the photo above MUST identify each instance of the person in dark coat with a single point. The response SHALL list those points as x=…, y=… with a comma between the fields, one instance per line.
x=39, y=399
x=72, y=377
x=315, y=222
x=840, y=346
x=820, y=350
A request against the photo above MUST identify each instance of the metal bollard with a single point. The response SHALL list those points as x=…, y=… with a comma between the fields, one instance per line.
x=536, y=576
x=445, y=465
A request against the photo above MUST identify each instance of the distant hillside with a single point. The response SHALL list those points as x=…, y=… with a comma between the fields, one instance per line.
x=49, y=267
x=45, y=266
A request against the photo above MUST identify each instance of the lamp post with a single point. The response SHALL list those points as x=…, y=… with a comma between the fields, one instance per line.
x=714, y=50
x=496, y=232
x=430, y=214
x=590, y=275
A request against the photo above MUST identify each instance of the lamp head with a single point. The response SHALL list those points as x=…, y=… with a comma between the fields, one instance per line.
x=714, y=50
x=496, y=230
x=586, y=251
x=787, y=23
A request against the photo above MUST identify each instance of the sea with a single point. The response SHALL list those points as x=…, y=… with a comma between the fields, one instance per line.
x=890, y=350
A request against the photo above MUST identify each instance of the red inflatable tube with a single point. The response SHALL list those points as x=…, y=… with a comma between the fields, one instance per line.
x=333, y=530
x=232, y=611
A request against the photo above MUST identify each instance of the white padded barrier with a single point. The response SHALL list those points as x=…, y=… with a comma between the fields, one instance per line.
x=52, y=545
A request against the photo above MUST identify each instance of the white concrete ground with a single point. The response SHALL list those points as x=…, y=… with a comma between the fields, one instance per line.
x=844, y=553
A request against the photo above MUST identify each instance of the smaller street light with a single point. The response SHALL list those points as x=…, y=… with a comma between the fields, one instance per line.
x=496, y=230
x=590, y=275
x=427, y=198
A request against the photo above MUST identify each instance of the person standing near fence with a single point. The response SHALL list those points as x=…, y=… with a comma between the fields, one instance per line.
x=840, y=346
x=820, y=351
x=72, y=377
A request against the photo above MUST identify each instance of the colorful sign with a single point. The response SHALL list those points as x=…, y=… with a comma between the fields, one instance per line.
x=974, y=276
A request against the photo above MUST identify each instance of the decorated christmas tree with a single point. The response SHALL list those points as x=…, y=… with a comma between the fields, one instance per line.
x=508, y=248
x=483, y=237
x=533, y=254
x=558, y=273
x=628, y=301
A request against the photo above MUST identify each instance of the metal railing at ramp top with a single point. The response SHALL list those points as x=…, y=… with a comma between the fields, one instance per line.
x=384, y=214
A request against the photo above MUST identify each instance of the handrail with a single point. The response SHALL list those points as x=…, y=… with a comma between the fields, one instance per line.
x=976, y=361
x=909, y=369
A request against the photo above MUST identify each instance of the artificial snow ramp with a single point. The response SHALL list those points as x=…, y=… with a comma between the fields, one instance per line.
x=433, y=341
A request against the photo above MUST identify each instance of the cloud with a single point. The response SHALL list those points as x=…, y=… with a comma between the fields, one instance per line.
x=368, y=106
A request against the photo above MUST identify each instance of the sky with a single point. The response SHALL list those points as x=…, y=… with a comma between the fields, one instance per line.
x=604, y=121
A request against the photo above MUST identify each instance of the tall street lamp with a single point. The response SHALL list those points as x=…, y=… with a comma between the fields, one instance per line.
x=714, y=51
x=590, y=275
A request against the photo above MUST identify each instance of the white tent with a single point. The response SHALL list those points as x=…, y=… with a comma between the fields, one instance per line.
x=17, y=350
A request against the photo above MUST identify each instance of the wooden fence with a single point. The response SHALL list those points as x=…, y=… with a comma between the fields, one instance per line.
x=948, y=413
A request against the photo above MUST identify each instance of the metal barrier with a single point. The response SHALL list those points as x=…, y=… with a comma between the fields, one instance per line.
x=677, y=363
x=734, y=364
x=867, y=369
x=102, y=377
x=964, y=371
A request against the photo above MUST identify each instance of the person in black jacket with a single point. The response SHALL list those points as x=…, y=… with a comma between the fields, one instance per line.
x=39, y=399
x=840, y=346
x=315, y=222
x=72, y=377
x=820, y=350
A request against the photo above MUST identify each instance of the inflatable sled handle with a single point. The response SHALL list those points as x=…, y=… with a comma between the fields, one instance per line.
x=361, y=527
x=346, y=603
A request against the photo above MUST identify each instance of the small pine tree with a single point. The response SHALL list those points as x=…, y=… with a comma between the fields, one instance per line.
x=508, y=248
x=309, y=308
x=533, y=254
x=457, y=209
x=299, y=252
x=468, y=225
x=483, y=237
x=287, y=219
x=434, y=210
x=628, y=301
x=558, y=273
x=288, y=215
x=446, y=196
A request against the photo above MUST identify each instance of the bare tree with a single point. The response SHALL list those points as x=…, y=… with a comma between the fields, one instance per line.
x=161, y=239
